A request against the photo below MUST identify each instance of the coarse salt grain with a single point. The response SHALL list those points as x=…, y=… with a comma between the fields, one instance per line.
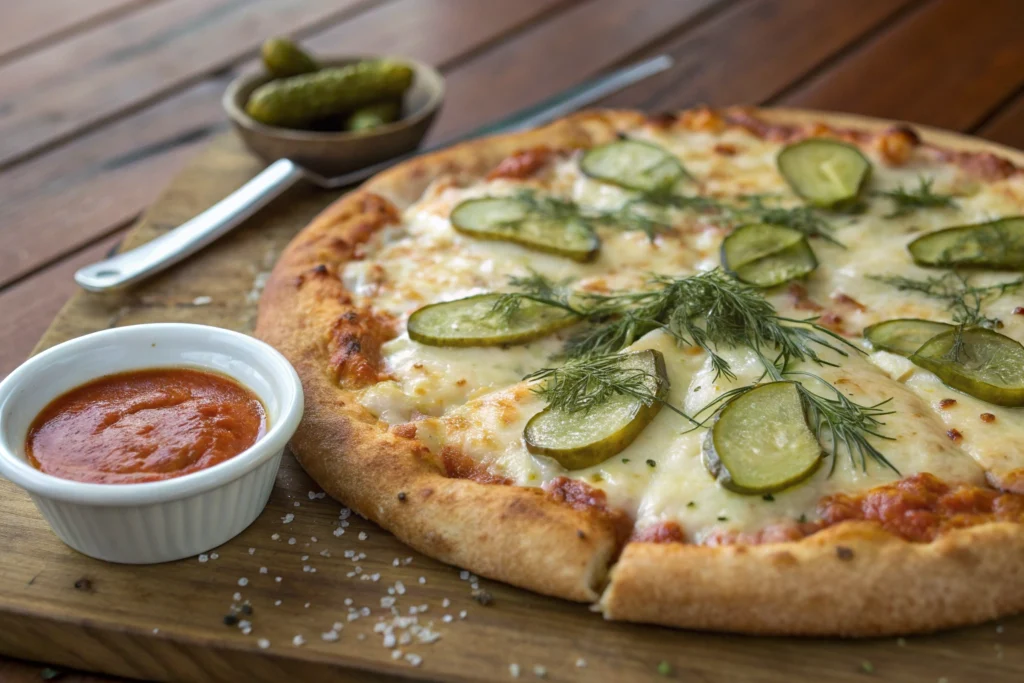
x=581, y=663
x=344, y=513
x=362, y=536
x=277, y=603
x=304, y=558
x=513, y=670
x=247, y=630
x=414, y=659
x=464, y=575
x=462, y=614
x=287, y=519
x=263, y=643
x=291, y=541
x=396, y=654
x=202, y=301
x=423, y=580
x=338, y=532
x=237, y=596
x=389, y=640
x=329, y=636
x=214, y=556
x=297, y=504
x=313, y=538
x=540, y=672
x=348, y=602
x=338, y=626
x=447, y=618
x=204, y=557
x=263, y=570
x=277, y=579
x=445, y=602
x=399, y=587
x=243, y=581
x=298, y=641
x=252, y=551
x=275, y=537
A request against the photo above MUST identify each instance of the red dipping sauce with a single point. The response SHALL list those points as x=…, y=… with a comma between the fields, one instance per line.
x=146, y=425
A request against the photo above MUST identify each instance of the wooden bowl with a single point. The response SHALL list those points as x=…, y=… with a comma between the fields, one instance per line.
x=334, y=153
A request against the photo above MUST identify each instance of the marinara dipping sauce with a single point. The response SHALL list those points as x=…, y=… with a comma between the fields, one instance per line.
x=145, y=425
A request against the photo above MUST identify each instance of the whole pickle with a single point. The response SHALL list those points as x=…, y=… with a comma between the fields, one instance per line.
x=283, y=58
x=373, y=115
x=296, y=101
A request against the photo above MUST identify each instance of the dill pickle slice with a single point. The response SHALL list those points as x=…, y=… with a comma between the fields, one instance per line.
x=509, y=219
x=577, y=440
x=474, y=322
x=767, y=255
x=990, y=366
x=633, y=165
x=996, y=244
x=761, y=442
x=824, y=172
x=903, y=336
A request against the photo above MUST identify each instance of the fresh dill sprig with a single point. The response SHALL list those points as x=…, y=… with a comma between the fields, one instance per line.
x=583, y=383
x=626, y=217
x=708, y=310
x=535, y=287
x=962, y=299
x=906, y=201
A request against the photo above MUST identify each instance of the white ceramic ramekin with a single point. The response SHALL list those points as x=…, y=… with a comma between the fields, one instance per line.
x=164, y=520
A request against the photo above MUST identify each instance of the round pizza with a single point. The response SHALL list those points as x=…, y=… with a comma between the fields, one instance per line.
x=742, y=370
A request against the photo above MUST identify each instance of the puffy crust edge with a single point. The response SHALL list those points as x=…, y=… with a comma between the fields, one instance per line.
x=849, y=580
x=804, y=587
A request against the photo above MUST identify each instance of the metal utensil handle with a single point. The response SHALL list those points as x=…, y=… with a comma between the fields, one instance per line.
x=188, y=238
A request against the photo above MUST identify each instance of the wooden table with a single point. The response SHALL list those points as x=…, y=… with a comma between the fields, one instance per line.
x=102, y=101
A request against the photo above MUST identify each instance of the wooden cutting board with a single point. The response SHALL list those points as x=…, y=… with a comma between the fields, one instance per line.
x=167, y=621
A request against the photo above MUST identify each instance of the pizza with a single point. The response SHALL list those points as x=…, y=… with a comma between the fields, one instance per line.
x=742, y=370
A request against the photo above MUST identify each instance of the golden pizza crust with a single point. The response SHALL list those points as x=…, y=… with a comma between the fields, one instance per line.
x=876, y=584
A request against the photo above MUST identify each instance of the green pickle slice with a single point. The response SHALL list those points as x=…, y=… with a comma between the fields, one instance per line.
x=996, y=244
x=633, y=165
x=903, y=336
x=509, y=219
x=761, y=442
x=990, y=366
x=824, y=172
x=767, y=255
x=583, y=439
x=473, y=322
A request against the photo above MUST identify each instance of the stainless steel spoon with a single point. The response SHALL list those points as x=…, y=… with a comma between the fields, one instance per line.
x=164, y=251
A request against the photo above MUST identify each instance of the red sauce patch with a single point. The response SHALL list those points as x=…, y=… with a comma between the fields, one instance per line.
x=457, y=465
x=522, y=164
x=581, y=496
x=921, y=507
x=147, y=425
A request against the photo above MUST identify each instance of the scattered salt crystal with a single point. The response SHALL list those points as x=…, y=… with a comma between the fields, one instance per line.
x=338, y=532
x=305, y=567
x=298, y=641
x=244, y=623
x=243, y=581
x=408, y=560
x=291, y=541
x=389, y=640
x=445, y=602
x=252, y=551
x=581, y=663
x=462, y=614
x=464, y=575
x=423, y=580
x=237, y=596
x=304, y=558
x=394, y=563
x=263, y=570
x=277, y=579
x=247, y=630
x=540, y=672
x=414, y=659
x=202, y=301
x=263, y=643
x=306, y=605
x=399, y=587
x=999, y=628
x=156, y=630
x=447, y=618
x=277, y=603
x=275, y=537
x=214, y=556
x=287, y=519
x=297, y=504
x=387, y=601
x=362, y=536
x=330, y=636
x=313, y=538
x=375, y=577
x=396, y=654
x=338, y=626
x=365, y=611
x=361, y=636
x=348, y=602
x=344, y=513
x=513, y=669
x=204, y=557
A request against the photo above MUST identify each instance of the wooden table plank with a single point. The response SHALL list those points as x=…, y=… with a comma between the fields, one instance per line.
x=1007, y=125
x=28, y=308
x=100, y=181
x=751, y=51
x=42, y=21
x=555, y=56
x=946, y=64
x=59, y=91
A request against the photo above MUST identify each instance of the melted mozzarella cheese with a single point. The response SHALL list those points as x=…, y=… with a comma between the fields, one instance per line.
x=474, y=400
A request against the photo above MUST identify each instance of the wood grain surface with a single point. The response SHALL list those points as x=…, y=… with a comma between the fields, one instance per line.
x=102, y=103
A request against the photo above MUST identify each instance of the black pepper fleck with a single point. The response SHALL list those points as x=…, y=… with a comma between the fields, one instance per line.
x=246, y=608
x=803, y=519
x=483, y=597
x=691, y=504
x=844, y=553
x=50, y=674
x=83, y=585
x=401, y=496
x=580, y=534
x=651, y=463
x=769, y=497
x=230, y=620
x=723, y=518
